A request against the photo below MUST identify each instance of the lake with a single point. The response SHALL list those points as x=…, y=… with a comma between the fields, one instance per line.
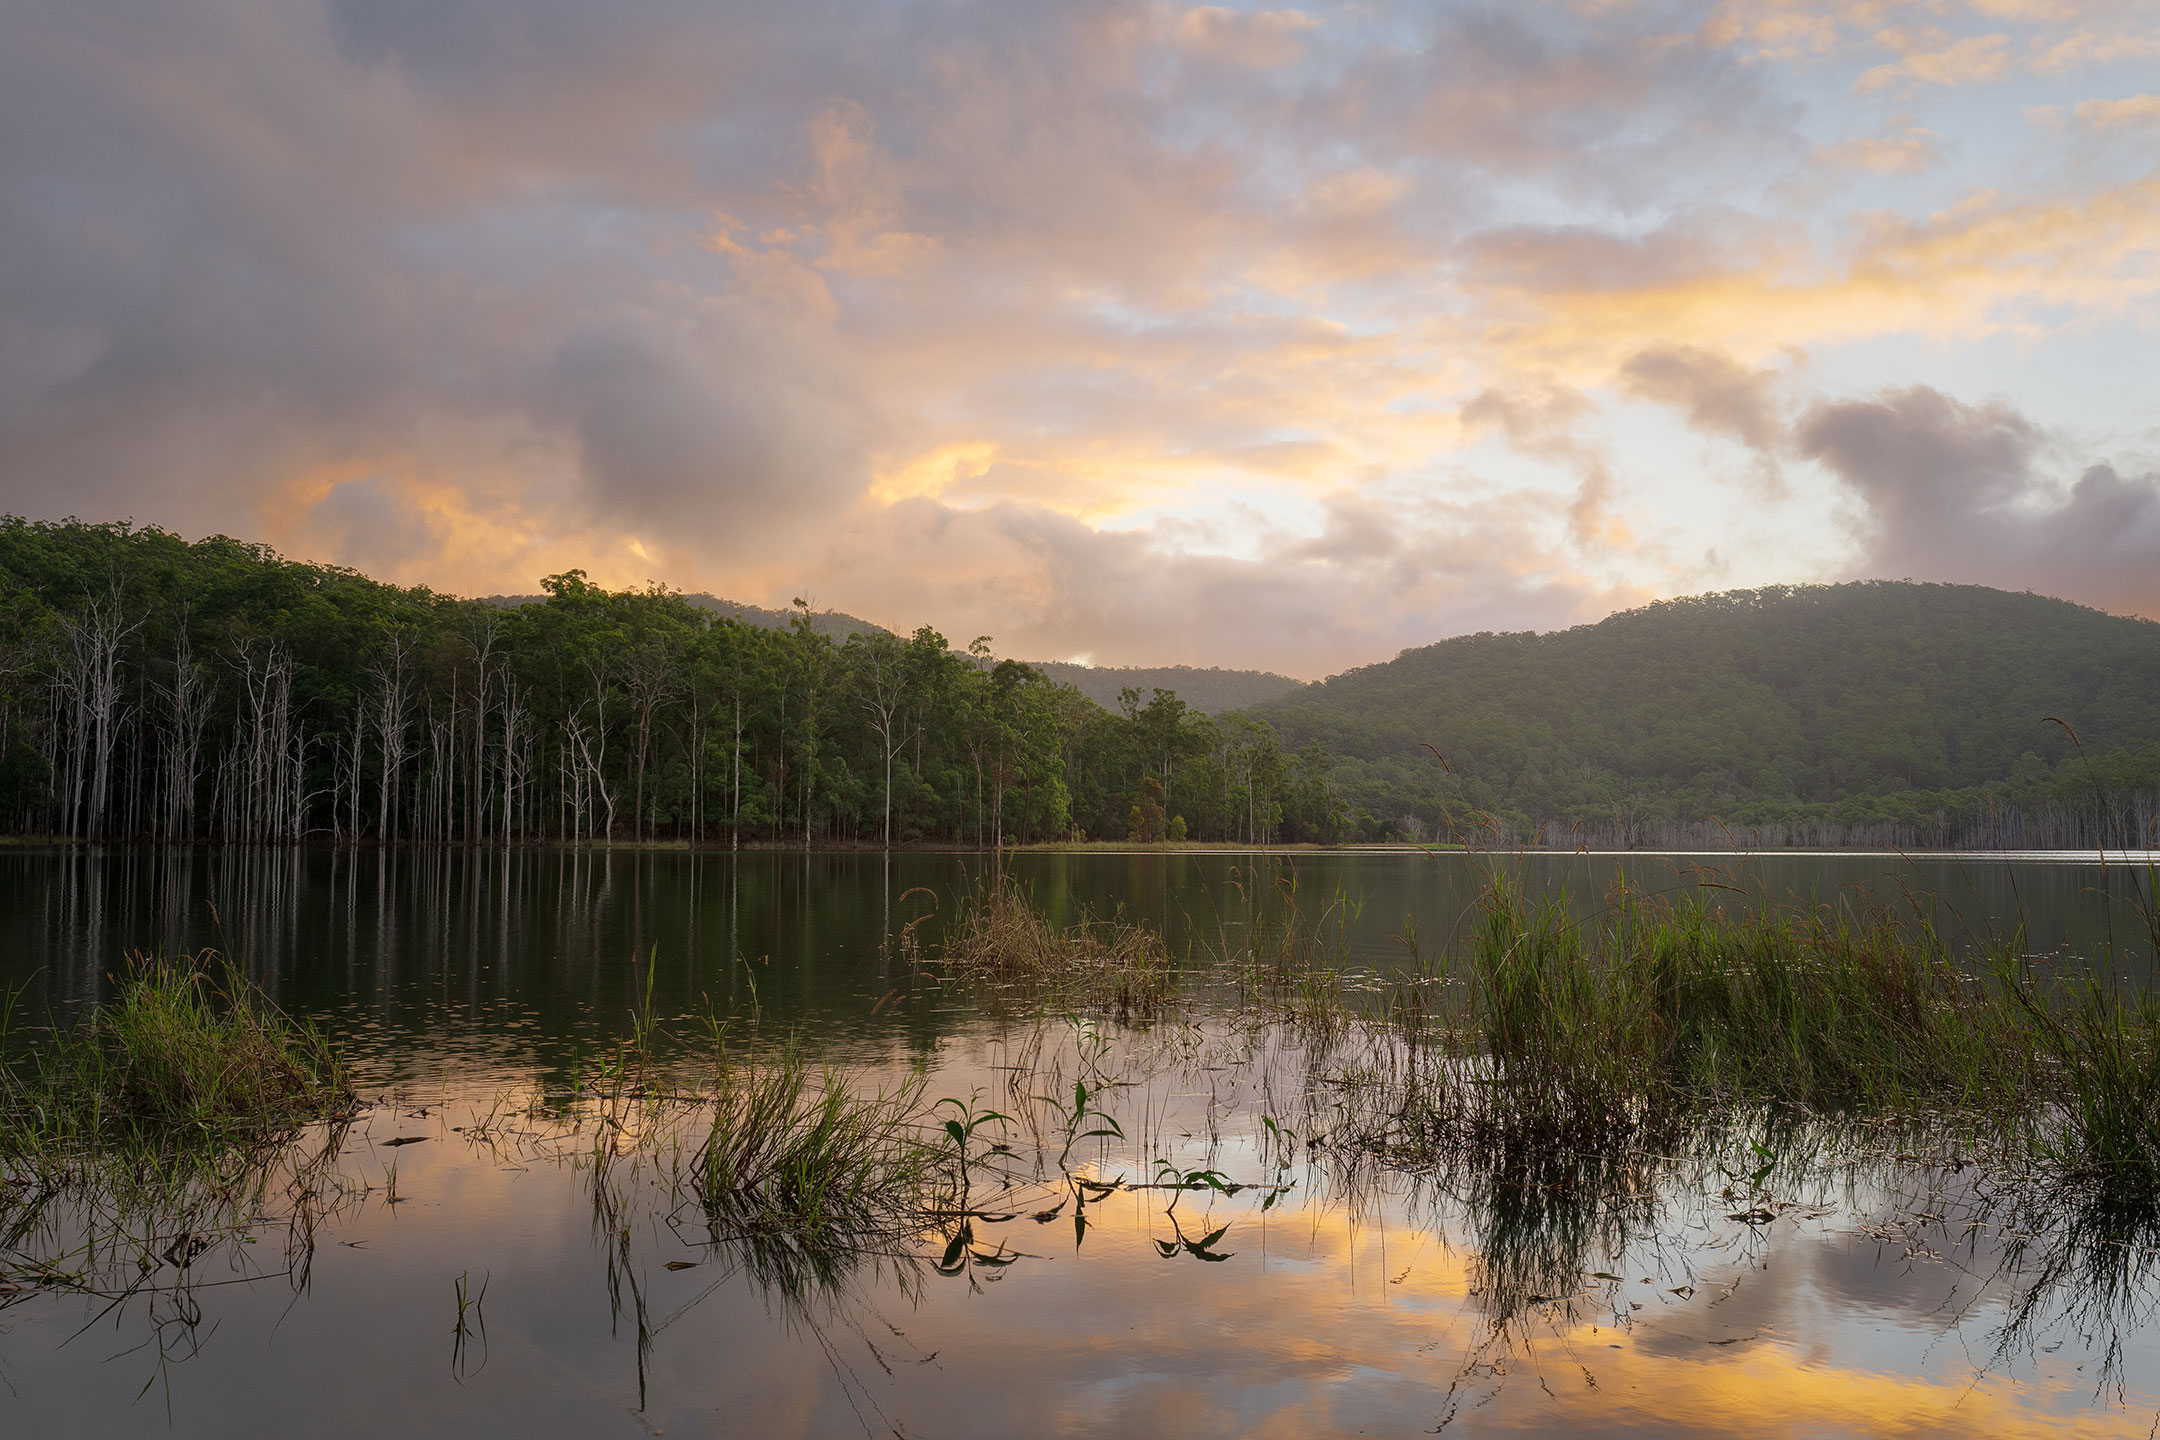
x=491, y=1276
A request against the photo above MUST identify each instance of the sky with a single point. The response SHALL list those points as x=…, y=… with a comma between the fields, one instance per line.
x=1129, y=333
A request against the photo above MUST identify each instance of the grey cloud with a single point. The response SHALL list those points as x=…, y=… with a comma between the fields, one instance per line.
x=1537, y=418
x=1612, y=106
x=1719, y=395
x=1957, y=492
x=260, y=261
x=719, y=418
x=1581, y=259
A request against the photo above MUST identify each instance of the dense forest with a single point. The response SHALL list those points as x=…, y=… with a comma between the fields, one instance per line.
x=1211, y=691
x=1868, y=713
x=150, y=687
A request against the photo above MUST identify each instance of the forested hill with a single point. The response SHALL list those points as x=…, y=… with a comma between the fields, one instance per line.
x=833, y=623
x=155, y=688
x=1888, y=704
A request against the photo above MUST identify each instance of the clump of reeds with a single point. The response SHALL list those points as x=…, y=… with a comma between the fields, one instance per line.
x=811, y=1153
x=1292, y=966
x=1589, y=1031
x=1003, y=936
x=2101, y=1051
x=177, y=1119
x=187, y=1051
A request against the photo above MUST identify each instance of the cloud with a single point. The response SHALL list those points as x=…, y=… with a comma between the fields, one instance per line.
x=2130, y=112
x=1382, y=574
x=1910, y=151
x=1719, y=395
x=1931, y=58
x=1263, y=38
x=725, y=419
x=1957, y=492
x=1085, y=302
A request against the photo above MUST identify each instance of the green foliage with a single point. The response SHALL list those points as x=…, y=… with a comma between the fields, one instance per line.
x=1004, y=937
x=810, y=1154
x=1576, y=1033
x=186, y=1049
x=153, y=687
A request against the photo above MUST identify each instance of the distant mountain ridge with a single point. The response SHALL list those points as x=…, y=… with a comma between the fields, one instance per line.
x=1212, y=691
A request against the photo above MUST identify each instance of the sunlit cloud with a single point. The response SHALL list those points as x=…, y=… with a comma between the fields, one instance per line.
x=1217, y=334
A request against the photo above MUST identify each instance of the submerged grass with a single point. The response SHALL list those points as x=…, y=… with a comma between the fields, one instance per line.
x=188, y=1053
x=1001, y=935
x=812, y=1153
x=185, y=1118
x=1585, y=1032
x=1542, y=1028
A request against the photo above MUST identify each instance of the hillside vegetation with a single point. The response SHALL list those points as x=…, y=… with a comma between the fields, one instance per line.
x=1210, y=691
x=1878, y=711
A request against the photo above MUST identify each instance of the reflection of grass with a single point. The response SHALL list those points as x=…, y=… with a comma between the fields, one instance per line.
x=812, y=1154
x=1001, y=935
x=185, y=1118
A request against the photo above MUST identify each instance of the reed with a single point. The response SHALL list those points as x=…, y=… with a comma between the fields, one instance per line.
x=785, y=1148
x=1543, y=1029
x=1002, y=936
x=1593, y=1031
x=188, y=1053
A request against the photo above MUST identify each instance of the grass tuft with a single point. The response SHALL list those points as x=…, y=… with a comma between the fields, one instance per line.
x=808, y=1152
x=187, y=1051
x=1001, y=935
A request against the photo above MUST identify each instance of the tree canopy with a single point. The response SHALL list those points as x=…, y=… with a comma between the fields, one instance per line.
x=154, y=687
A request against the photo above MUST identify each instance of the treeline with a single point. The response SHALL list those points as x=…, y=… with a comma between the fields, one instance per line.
x=159, y=689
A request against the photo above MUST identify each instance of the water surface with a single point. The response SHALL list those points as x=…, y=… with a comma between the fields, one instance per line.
x=1882, y=1297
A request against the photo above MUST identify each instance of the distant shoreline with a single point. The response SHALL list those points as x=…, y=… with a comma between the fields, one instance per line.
x=2088, y=856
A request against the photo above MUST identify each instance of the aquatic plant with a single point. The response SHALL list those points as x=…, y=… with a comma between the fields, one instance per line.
x=183, y=1121
x=1001, y=935
x=811, y=1153
x=188, y=1051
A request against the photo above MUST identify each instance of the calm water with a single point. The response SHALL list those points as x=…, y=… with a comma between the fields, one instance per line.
x=1882, y=1299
